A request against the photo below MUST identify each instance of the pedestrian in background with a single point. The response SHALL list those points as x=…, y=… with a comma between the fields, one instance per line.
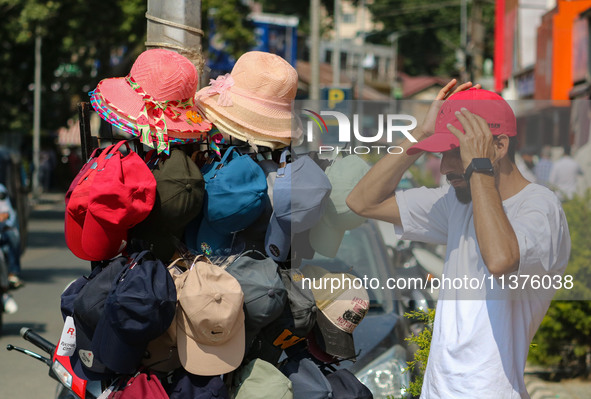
x=544, y=166
x=563, y=176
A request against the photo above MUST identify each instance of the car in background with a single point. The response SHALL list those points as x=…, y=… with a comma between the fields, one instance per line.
x=380, y=342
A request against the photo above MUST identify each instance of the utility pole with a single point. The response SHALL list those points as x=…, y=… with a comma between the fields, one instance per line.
x=37, y=115
x=176, y=25
x=477, y=32
x=336, y=50
x=393, y=38
x=360, y=70
x=464, y=38
x=314, y=50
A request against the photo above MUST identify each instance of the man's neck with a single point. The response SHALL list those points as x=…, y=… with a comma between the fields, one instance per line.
x=509, y=180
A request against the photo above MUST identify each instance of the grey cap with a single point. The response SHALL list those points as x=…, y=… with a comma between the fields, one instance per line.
x=308, y=380
x=300, y=195
x=265, y=295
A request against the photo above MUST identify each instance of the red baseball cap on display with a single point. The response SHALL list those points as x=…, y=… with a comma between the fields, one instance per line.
x=487, y=104
x=118, y=194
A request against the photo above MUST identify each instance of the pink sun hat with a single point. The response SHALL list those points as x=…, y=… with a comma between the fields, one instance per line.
x=254, y=102
x=155, y=101
x=489, y=105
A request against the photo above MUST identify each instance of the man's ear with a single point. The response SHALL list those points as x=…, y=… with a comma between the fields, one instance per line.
x=501, y=144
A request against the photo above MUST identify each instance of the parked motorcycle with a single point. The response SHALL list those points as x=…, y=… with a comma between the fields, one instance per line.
x=70, y=385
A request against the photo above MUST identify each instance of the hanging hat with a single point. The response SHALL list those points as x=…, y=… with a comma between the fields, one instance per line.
x=254, y=102
x=154, y=101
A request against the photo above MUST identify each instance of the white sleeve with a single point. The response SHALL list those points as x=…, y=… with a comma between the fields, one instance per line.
x=424, y=214
x=543, y=237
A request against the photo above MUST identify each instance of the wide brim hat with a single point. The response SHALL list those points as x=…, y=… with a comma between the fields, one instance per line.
x=156, y=98
x=254, y=102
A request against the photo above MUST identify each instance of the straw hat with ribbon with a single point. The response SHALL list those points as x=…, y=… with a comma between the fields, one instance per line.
x=155, y=101
x=254, y=102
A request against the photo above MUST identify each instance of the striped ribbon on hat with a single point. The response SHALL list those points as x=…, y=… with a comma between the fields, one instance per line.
x=151, y=122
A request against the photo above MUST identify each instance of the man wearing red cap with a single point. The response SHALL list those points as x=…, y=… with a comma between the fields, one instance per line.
x=499, y=229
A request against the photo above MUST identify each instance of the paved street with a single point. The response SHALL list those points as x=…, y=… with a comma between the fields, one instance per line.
x=48, y=266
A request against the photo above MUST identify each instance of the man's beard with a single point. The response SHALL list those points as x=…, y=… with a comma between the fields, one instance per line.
x=463, y=194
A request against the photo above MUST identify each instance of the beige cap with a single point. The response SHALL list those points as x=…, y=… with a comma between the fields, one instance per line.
x=341, y=308
x=210, y=321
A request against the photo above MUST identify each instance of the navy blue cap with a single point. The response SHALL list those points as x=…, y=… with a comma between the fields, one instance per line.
x=71, y=292
x=88, y=308
x=307, y=379
x=346, y=386
x=139, y=308
x=185, y=385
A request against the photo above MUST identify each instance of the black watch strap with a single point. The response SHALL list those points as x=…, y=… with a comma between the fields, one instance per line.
x=479, y=165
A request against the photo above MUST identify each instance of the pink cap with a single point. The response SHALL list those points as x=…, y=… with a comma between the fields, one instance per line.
x=487, y=104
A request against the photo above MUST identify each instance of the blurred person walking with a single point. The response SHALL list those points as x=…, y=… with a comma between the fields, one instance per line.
x=544, y=166
x=563, y=176
x=10, y=239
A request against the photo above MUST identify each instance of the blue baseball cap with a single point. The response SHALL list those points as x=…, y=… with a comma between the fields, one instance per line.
x=185, y=385
x=307, y=379
x=235, y=191
x=300, y=196
x=139, y=308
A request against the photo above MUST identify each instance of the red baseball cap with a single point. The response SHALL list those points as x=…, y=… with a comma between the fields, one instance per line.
x=123, y=194
x=487, y=104
x=115, y=196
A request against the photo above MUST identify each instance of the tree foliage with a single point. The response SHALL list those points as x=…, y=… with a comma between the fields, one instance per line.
x=79, y=39
x=430, y=32
x=562, y=340
x=230, y=19
x=82, y=43
x=418, y=365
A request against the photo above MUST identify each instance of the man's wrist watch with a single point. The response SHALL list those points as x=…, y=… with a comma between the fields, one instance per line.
x=479, y=165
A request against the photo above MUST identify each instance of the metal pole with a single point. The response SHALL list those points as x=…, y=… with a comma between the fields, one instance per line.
x=176, y=25
x=464, y=36
x=37, y=115
x=314, y=50
x=360, y=70
x=394, y=40
x=336, y=51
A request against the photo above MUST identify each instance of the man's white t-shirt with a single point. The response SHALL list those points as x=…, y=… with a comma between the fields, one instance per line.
x=481, y=337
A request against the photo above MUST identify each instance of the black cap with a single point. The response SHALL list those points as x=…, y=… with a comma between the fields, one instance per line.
x=185, y=385
x=294, y=323
x=139, y=308
x=180, y=189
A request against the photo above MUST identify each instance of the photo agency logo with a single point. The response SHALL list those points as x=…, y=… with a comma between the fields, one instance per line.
x=390, y=127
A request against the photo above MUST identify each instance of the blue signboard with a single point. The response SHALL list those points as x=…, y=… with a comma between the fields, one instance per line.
x=275, y=34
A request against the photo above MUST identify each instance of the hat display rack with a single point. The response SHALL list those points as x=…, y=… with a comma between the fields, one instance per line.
x=262, y=291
